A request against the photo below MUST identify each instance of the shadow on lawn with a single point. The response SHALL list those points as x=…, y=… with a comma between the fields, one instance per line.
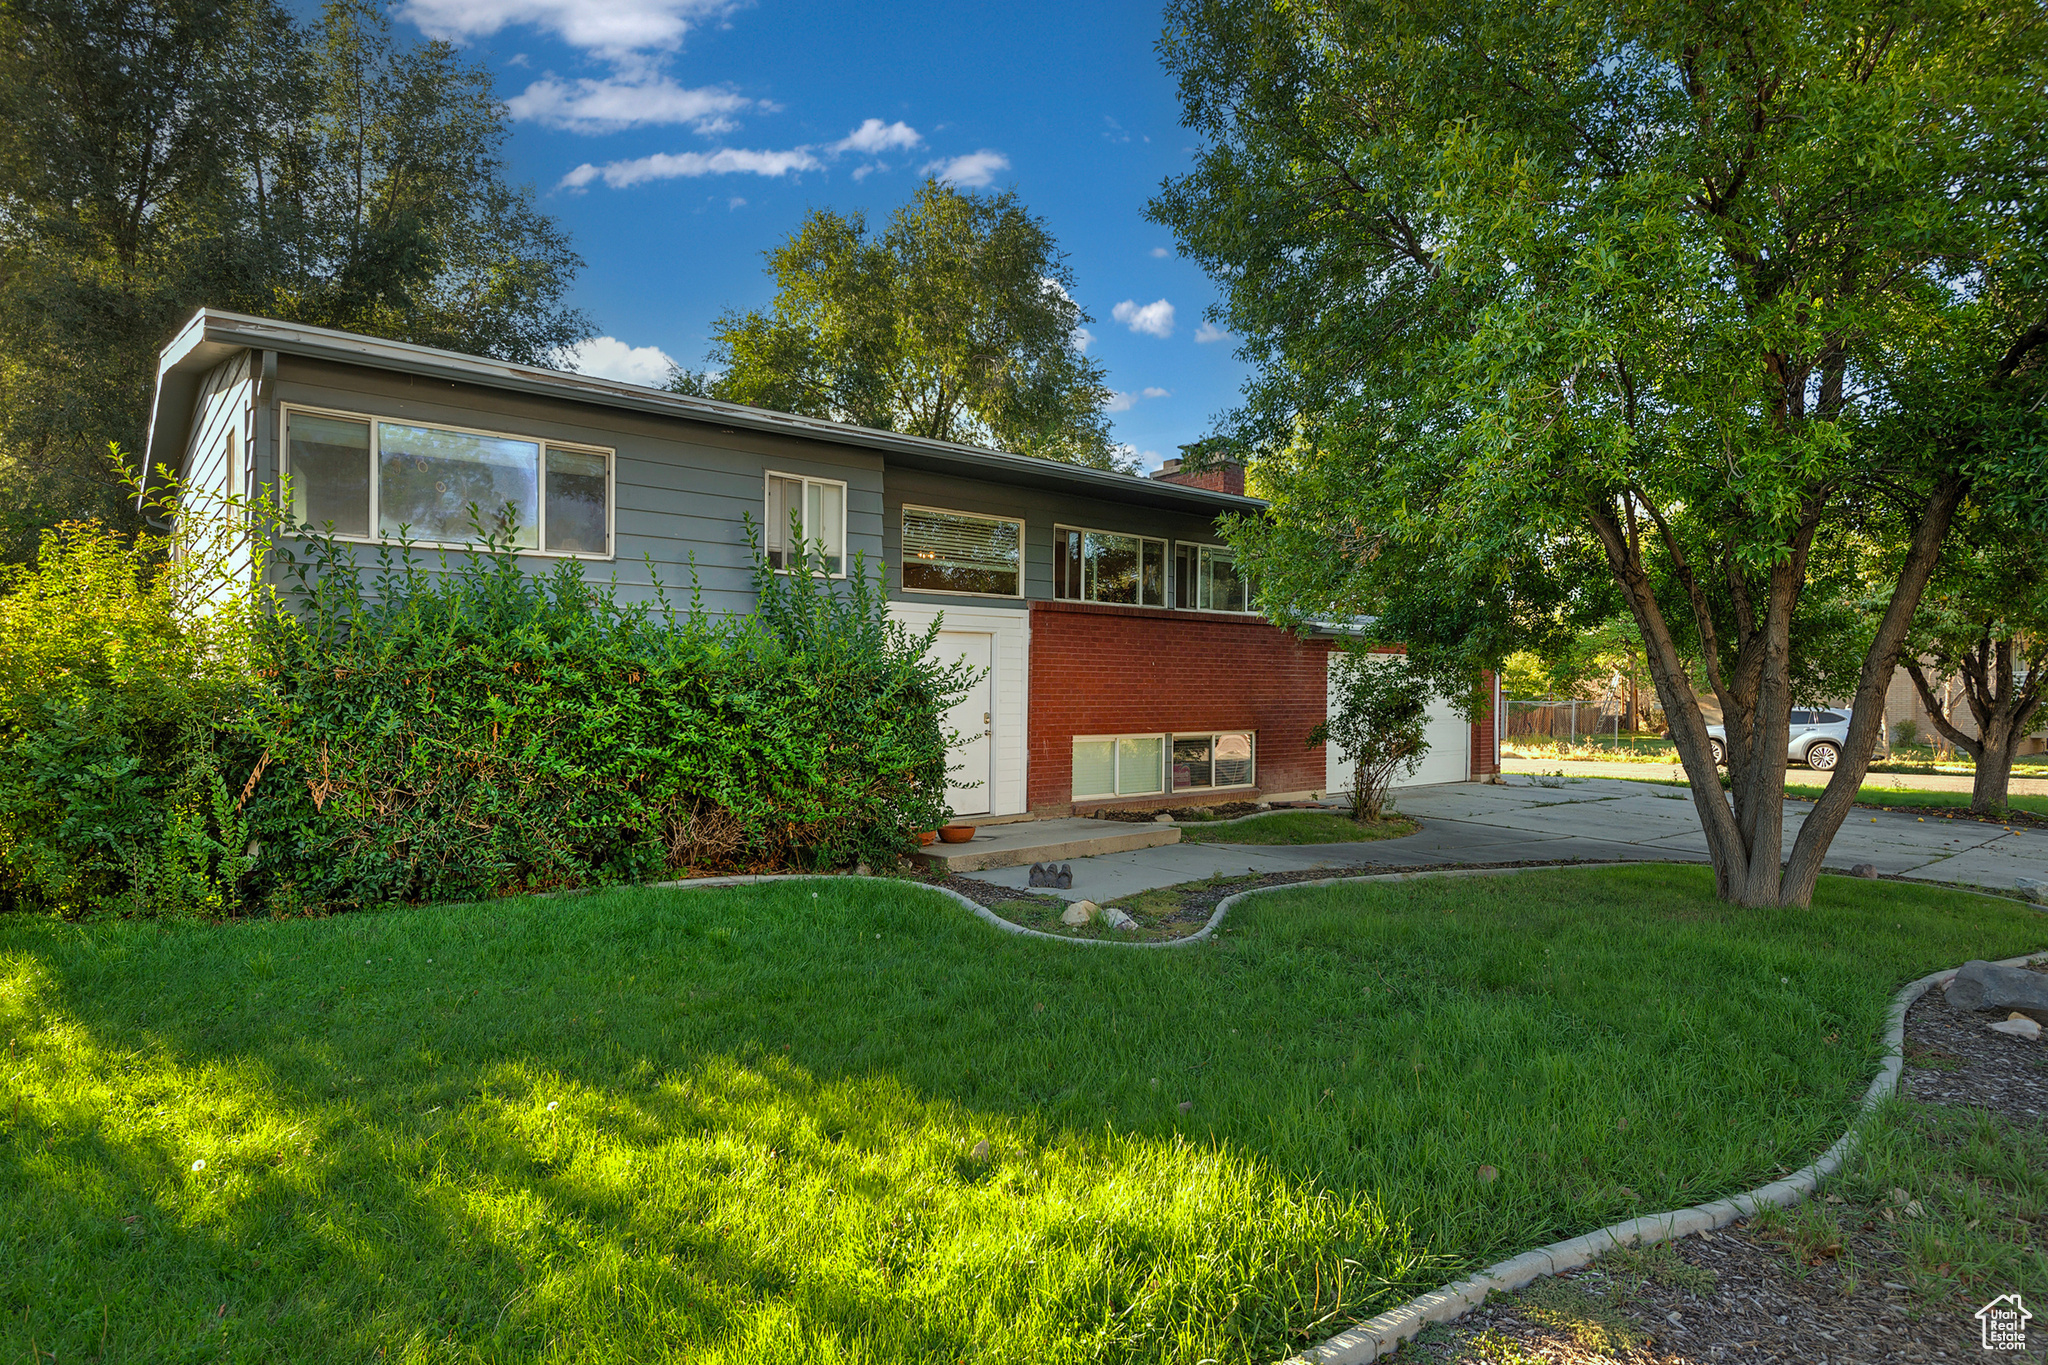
x=742, y=1125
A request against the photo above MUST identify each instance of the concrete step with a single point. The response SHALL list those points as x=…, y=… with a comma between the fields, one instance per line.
x=1042, y=841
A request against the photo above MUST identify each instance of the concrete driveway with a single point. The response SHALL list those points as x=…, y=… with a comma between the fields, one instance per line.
x=1565, y=819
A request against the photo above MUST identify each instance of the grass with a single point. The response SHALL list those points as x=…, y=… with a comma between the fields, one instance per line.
x=748, y=1124
x=1299, y=827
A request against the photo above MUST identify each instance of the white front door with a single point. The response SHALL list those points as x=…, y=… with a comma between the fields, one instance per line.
x=973, y=720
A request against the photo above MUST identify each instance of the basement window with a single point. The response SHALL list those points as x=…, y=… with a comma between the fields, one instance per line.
x=1211, y=761
x=1107, y=766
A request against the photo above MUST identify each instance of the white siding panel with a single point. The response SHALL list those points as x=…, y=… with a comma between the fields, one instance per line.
x=1010, y=674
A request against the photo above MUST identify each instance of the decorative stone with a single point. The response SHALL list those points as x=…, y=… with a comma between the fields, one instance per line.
x=2033, y=888
x=1984, y=985
x=1162, y=819
x=1117, y=919
x=863, y=870
x=1187, y=1106
x=1079, y=913
x=980, y=1152
x=1863, y=870
x=2019, y=1026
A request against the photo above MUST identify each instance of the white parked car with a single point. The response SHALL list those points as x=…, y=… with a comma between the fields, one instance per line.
x=1817, y=739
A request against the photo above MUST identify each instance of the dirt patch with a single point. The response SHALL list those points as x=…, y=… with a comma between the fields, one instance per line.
x=1954, y=1059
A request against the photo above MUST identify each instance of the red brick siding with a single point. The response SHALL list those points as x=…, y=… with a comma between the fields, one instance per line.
x=1224, y=478
x=1100, y=670
x=1483, y=762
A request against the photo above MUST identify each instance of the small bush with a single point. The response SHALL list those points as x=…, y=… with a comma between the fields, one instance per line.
x=1381, y=716
x=117, y=680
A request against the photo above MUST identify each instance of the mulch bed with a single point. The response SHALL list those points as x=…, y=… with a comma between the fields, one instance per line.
x=1762, y=1302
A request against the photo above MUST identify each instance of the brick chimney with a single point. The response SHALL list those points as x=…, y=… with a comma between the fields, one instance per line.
x=1222, y=476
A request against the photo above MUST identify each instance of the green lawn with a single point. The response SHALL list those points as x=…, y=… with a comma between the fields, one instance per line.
x=744, y=1125
x=1297, y=827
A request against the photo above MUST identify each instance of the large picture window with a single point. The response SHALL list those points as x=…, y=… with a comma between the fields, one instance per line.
x=1205, y=578
x=1119, y=765
x=361, y=477
x=814, y=510
x=1102, y=566
x=961, y=553
x=1206, y=762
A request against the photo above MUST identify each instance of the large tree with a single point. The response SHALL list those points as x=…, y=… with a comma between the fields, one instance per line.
x=161, y=156
x=953, y=322
x=1536, y=287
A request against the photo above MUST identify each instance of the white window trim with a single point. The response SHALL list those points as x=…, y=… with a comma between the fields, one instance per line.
x=903, y=558
x=376, y=537
x=845, y=510
x=1211, y=736
x=1165, y=565
x=1218, y=611
x=1117, y=763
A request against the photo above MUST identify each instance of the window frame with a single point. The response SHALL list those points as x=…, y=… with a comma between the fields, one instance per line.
x=544, y=444
x=1250, y=608
x=1164, y=543
x=902, y=556
x=1212, y=736
x=845, y=511
x=1165, y=787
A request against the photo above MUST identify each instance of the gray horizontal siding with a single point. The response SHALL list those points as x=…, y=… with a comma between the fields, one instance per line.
x=1041, y=510
x=683, y=489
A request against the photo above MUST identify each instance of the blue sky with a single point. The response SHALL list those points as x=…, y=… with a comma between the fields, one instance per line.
x=679, y=139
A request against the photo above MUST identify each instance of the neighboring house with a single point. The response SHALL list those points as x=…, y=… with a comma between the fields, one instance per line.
x=1125, y=667
x=1902, y=702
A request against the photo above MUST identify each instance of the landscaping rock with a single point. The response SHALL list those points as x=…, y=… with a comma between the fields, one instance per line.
x=1863, y=870
x=1162, y=819
x=2019, y=1026
x=1987, y=986
x=2033, y=888
x=1117, y=919
x=1079, y=913
x=980, y=1152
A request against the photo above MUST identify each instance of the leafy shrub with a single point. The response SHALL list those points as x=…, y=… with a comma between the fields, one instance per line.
x=470, y=729
x=1381, y=715
x=119, y=672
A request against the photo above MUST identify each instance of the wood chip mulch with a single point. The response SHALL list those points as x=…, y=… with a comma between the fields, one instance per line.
x=1738, y=1296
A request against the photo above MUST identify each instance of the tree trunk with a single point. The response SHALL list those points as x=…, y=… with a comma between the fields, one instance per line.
x=1990, y=787
x=1866, y=718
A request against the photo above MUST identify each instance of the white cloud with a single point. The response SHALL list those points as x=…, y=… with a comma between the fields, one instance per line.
x=971, y=171
x=874, y=136
x=1158, y=393
x=861, y=173
x=1209, y=332
x=736, y=202
x=610, y=28
x=606, y=106
x=1153, y=319
x=689, y=165
x=1083, y=339
x=1160, y=253
x=610, y=358
x=1120, y=402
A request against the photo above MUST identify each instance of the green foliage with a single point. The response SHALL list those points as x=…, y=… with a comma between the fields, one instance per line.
x=1571, y=310
x=113, y=686
x=467, y=729
x=1378, y=724
x=161, y=156
x=954, y=323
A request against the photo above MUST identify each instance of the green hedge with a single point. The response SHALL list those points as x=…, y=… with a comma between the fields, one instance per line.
x=407, y=731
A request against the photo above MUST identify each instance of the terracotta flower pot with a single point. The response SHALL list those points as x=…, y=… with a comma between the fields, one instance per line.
x=957, y=834
x=927, y=836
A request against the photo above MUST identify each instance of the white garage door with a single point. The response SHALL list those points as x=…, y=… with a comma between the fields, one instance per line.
x=1448, y=759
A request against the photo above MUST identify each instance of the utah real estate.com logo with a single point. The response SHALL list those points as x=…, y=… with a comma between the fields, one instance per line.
x=2004, y=1321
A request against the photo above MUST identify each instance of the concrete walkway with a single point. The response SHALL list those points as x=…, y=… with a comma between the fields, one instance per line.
x=1585, y=819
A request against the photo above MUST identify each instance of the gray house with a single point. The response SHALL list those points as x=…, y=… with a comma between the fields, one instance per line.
x=1125, y=663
